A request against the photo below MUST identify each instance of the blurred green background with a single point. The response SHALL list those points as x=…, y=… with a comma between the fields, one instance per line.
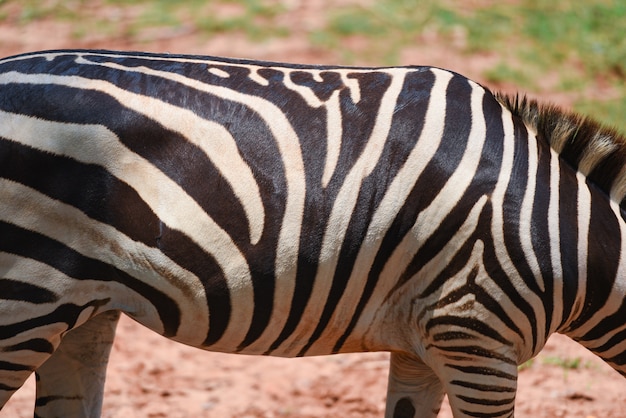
x=571, y=50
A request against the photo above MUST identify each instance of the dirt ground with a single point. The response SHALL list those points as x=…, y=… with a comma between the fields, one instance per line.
x=150, y=376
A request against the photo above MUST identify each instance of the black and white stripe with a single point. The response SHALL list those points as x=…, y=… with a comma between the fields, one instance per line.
x=289, y=210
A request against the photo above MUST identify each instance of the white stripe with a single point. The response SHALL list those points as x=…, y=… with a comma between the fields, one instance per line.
x=95, y=144
x=67, y=289
x=584, y=221
x=498, y=221
x=334, y=126
x=342, y=211
x=376, y=312
x=256, y=77
x=219, y=72
x=352, y=84
x=429, y=219
x=526, y=213
x=393, y=200
x=525, y=236
x=616, y=296
x=305, y=92
x=34, y=211
x=216, y=142
x=334, y=134
x=555, y=240
x=289, y=237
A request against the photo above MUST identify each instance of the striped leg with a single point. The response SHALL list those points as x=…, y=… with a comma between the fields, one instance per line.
x=71, y=382
x=413, y=390
x=479, y=386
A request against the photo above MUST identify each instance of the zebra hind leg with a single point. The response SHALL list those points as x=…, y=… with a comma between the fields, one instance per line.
x=413, y=390
x=71, y=382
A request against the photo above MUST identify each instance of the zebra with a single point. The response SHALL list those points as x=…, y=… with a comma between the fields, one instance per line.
x=296, y=210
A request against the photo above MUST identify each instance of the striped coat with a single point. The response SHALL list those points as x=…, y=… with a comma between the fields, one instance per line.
x=288, y=210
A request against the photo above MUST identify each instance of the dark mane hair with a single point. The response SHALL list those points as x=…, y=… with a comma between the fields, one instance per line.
x=596, y=151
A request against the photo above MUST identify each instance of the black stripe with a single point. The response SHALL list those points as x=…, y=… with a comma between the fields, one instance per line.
x=483, y=371
x=473, y=351
x=483, y=387
x=430, y=184
x=568, y=234
x=45, y=400
x=539, y=232
x=87, y=187
x=469, y=323
x=15, y=367
x=604, y=243
x=53, y=253
x=182, y=250
x=408, y=123
x=331, y=81
x=8, y=388
x=453, y=336
x=66, y=313
x=38, y=345
x=358, y=120
x=512, y=205
x=488, y=402
x=504, y=413
x=16, y=290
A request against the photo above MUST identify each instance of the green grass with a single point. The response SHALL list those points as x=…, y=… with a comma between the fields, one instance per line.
x=579, y=47
x=389, y=25
x=612, y=111
x=583, y=43
x=564, y=363
x=255, y=18
x=526, y=365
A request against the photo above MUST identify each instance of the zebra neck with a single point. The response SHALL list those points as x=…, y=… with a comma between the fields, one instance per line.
x=598, y=288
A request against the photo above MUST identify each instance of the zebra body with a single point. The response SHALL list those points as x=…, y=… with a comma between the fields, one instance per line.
x=262, y=208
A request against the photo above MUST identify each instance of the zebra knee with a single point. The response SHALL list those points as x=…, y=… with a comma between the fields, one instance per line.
x=413, y=390
x=481, y=386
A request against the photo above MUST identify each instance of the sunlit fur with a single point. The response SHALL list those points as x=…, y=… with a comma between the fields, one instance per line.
x=597, y=151
x=289, y=210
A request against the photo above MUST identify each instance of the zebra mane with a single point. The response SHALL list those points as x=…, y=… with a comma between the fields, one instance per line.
x=595, y=150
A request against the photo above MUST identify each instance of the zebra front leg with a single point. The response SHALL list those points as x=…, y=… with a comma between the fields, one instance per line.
x=413, y=390
x=71, y=382
x=479, y=383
